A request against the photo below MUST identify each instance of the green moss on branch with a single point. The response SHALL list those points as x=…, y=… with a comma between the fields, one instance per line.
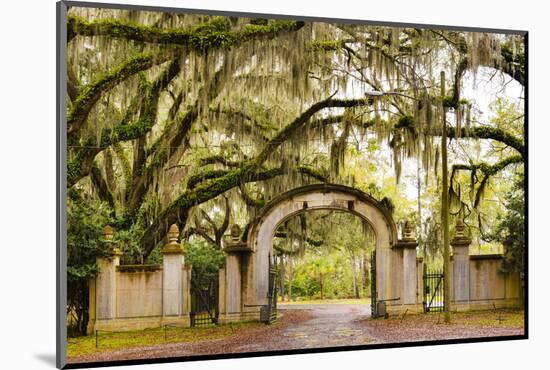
x=486, y=132
x=513, y=63
x=80, y=165
x=313, y=173
x=137, y=32
x=482, y=132
x=302, y=120
x=209, y=190
x=90, y=94
x=487, y=170
x=196, y=179
x=218, y=158
x=215, y=34
x=331, y=45
x=406, y=121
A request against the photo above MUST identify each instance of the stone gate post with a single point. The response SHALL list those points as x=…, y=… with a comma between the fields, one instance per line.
x=408, y=244
x=175, y=287
x=103, y=289
x=461, y=265
x=231, y=283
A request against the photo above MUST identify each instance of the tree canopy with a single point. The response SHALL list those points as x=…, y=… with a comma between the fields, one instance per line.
x=200, y=120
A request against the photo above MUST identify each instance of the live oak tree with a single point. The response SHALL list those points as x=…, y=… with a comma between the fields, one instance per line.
x=200, y=120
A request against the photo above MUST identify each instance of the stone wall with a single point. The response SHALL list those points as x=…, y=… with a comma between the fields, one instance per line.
x=489, y=286
x=477, y=281
x=132, y=297
x=139, y=293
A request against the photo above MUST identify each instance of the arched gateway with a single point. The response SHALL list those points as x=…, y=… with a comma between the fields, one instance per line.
x=244, y=281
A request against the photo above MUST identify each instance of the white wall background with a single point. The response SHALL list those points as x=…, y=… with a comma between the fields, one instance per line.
x=27, y=186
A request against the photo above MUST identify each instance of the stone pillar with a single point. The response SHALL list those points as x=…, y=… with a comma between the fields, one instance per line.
x=419, y=279
x=221, y=294
x=461, y=264
x=186, y=289
x=173, y=297
x=231, y=304
x=408, y=245
x=91, y=306
x=105, y=281
x=233, y=283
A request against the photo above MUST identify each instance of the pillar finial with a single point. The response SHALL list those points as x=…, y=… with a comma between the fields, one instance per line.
x=408, y=240
x=235, y=233
x=233, y=242
x=407, y=230
x=173, y=246
x=460, y=238
x=108, y=232
x=459, y=228
x=108, y=235
x=173, y=234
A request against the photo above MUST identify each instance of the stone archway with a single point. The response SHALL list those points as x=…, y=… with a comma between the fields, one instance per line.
x=245, y=277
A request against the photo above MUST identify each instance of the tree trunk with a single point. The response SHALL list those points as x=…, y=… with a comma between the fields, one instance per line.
x=290, y=278
x=366, y=275
x=445, y=214
x=354, y=274
x=321, y=283
x=419, y=201
x=282, y=276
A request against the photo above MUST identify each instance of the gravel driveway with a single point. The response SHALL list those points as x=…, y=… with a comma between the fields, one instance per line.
x=331, y=325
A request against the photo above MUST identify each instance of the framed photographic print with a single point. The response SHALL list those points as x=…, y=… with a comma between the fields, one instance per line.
x=235, y=184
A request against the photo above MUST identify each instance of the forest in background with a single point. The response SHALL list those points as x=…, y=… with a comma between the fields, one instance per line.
x=201, y=120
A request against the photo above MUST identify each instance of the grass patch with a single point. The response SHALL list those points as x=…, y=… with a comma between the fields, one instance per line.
x=501, y=318
x=112, y=341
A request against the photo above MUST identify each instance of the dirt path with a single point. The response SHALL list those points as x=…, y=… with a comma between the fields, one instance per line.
x=322, y=325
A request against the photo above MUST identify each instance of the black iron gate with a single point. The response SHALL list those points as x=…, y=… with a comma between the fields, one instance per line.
x=373, y=303
x=268, y=313
x=204, y=299
x=434, y=294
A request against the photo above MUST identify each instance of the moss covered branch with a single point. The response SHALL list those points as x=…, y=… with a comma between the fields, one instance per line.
x=101, y=186
x=513, y=64
x=453, y=101
x=251, y=202
x=478, y=132
x=205, y=191
x=215, y=34
x=200, y=177
x=136, y=32
x=298, y=123
x=487, y=170
x=332, y=119
x=125, y=164
x=486, y=132
x=84, y=153
x=165, y=147
x=80, y=164
x=91, y=93
x=218, y=159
